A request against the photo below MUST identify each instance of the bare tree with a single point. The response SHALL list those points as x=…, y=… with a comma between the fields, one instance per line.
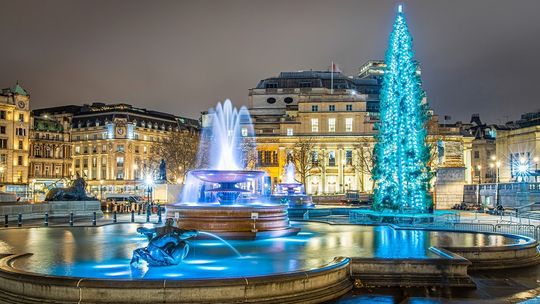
x=363, y=160
x=179, y=151
x=249, y=153
x=302, y=156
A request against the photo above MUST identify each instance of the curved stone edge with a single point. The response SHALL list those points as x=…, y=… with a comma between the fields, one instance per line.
x=483, y=258
x=313, y=286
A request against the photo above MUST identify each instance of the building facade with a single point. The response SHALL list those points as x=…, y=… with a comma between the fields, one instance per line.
x=49, y=157
x=113, y=145
x=335, y=117
x=518, y=149
x=14, y=139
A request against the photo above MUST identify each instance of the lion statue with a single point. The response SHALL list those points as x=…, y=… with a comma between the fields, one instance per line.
x=75, y=192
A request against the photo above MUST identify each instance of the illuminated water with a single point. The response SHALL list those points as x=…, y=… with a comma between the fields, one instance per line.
x=105, y=252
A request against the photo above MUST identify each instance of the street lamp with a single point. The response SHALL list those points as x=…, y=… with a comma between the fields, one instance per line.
x=33, y=190
x=496, y=165
x=479, y=167
x=149, y=181
x=101, y=189
x=535, y=159
x=343, y=175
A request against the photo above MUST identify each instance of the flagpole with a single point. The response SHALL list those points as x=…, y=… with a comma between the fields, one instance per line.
x=332, y=78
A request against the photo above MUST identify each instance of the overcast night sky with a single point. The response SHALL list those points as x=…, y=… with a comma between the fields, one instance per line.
x=182, y=57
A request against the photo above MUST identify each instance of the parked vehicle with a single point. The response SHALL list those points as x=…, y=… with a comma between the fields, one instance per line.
x=121, y=203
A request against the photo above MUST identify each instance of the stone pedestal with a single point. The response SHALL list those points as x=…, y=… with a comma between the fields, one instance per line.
x=449, y=187
x=167, y=193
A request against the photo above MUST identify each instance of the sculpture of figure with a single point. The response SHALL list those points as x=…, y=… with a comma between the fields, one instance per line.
x=167, y=245
x=162, y=171
x=75, y=192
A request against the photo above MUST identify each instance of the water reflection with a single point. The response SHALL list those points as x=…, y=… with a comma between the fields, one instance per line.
x=105, y=252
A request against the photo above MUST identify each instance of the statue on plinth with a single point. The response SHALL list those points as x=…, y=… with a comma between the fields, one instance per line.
x=75, y=192
x=167, y=245
x=162, y=177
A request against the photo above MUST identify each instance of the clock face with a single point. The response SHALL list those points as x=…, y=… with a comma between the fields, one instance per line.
x=21, y=104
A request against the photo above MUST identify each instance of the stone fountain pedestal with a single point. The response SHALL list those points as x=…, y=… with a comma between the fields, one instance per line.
x=239, y=222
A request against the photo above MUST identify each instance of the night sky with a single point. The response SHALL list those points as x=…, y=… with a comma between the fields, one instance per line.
x=182, y=57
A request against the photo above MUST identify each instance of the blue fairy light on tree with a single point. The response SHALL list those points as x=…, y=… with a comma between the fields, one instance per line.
x=401, y=172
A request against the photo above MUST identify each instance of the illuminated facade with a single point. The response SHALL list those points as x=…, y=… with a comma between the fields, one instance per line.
x=14, y=143
x=112, y=145
x=50, y=155
x=301, y=106
x=518, y=149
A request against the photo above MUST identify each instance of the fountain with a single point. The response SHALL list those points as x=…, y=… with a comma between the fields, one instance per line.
x=292, y=192
x=224, y=198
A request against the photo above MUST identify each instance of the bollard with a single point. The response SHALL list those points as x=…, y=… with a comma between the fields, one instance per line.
x=114, y=217
x=19, y=223
x=71, y=219
x=132, y=215
x=94, y=219
x=138, y=209
x=148, y=213
x=46, y=219
x=6, y=220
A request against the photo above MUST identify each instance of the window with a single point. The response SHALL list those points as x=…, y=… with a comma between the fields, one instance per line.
x=77, y=150
x=3, y=158
x=314, y=125
x=3, y=143
x=120, y=174
x=348, y=157
x=314, y=158
x=2, y=114
x=244, y=132
x=476, y=154
x=20, y=160
x=314, y=108
x=348, y=124
x=85, y=163
x=20, y=144
x=271, y=85
x=103, y=161
x=271, y=100
x=331, y=125
x=332, y=108
x=21, y=132
x=305, y=84
x=103, y=148
x=2, y=130
x=290, y=132
x=348, y=107
x=120, y=148
x=77, y=163
x=136, y=149
x=21, y=117
x=288, y=100
x=85, y=149
x=332, y=158
x=120, y=161
x=145, y=149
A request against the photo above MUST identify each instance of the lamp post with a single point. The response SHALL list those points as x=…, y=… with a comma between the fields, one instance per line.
x=535, y=159
x=343, y=175
x=479, y=167
x=33, y=190
x=497, y=167
x=101, y=189
x=149, y=181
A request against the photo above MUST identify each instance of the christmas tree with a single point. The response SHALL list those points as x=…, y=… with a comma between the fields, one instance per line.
x=401, y=173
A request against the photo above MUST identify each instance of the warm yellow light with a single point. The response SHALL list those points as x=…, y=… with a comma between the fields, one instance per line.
x=493, y=157
x=535, y=159
x=491, y=165
x=498, y=164
x=479, y=167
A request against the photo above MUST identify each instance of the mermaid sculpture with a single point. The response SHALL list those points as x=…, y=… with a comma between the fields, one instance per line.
x=167, y=245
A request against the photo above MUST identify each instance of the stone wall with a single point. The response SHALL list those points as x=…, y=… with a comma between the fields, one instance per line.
x=511, y=195
x=55, y=209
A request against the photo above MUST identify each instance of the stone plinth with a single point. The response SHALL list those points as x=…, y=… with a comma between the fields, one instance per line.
x=449, y=187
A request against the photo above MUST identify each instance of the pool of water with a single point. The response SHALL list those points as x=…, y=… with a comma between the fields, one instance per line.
x=105, y=252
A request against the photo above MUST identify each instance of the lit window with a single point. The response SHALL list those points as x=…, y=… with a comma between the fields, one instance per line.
x=348, y=124
x=289, y=132
x=314, y=125
x=120, y=161
x=244, y=132
x=331, y=125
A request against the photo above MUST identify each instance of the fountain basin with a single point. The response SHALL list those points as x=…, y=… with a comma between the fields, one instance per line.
x=226, y=176
x=235, y=222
